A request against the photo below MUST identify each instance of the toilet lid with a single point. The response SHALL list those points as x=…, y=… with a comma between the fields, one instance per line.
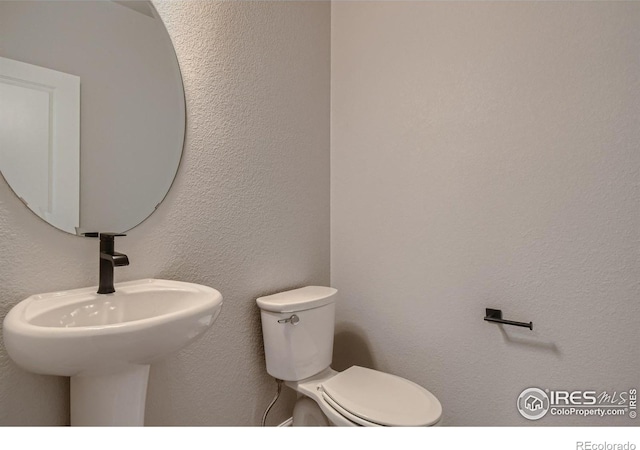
x=382, y=398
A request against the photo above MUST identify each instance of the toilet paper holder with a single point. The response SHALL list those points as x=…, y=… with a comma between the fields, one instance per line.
x=495, y=315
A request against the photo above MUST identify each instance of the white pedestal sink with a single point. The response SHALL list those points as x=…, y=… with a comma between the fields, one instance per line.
x=106, y=342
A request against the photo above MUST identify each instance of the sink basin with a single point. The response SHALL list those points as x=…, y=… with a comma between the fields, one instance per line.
x=106, y=342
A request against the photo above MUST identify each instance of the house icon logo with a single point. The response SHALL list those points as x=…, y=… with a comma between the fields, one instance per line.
x=533, y=403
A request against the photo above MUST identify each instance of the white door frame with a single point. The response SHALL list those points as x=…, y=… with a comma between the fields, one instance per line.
x=63, y=153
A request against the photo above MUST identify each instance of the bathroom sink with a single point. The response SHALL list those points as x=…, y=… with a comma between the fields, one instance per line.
x=79, y=331
x=105, y=342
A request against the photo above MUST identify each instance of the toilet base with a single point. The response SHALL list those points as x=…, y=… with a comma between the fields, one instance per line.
x=307, y=413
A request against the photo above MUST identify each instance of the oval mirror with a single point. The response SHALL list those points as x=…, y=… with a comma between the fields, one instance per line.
x=92, y=111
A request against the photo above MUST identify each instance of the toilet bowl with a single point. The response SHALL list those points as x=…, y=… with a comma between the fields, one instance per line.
x=298, y=327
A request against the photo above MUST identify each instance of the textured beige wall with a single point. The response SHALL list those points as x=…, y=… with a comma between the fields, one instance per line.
x=485, y=154
x=248, y=213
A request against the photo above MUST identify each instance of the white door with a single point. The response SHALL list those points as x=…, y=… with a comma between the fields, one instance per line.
x=40, y=140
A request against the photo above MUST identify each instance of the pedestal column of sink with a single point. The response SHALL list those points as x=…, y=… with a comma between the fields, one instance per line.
x=115, y=399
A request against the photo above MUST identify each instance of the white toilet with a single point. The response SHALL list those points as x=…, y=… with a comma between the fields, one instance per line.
x=297, y=328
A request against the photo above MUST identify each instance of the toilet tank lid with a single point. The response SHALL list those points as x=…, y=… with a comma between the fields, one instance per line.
x=298, y=299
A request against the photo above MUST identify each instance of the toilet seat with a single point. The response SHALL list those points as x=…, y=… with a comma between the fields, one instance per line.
x=371, y=398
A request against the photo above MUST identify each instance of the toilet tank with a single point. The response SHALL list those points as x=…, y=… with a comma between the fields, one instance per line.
x=297, y=328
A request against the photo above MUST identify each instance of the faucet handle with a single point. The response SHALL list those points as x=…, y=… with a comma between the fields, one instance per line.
x=111, y=235
x=107, y=240
x=95, y=234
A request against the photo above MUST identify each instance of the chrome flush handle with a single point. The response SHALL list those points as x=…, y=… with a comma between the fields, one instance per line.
x=293, y=320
